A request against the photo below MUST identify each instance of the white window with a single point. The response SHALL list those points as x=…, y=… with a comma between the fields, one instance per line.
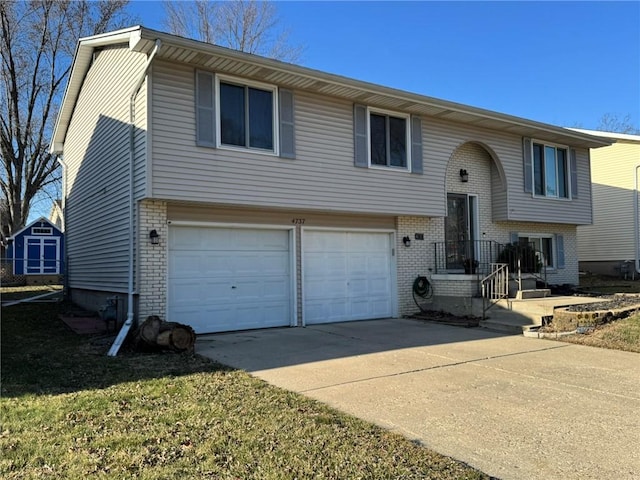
x=241, y=114
x=246, y=114
x=389, y=139
x=41, y=231
x=550, y=170
x=544, y=246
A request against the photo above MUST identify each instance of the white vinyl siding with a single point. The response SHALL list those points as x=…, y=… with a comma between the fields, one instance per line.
x=97, y=155
x=610, y=238
x=323, y=177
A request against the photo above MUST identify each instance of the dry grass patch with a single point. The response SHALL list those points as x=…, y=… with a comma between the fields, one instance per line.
x=623, y=334
x=18, y=293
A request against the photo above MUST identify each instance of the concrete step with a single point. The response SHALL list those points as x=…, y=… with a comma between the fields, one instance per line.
x=534, y=293
x=518, y=316
x=509, y=321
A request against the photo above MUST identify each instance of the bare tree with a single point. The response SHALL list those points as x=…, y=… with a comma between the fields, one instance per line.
x=611, y=122
x=37, y=42
x=247, y=25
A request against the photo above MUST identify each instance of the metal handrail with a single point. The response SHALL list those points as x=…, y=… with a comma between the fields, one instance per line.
x=495, y=286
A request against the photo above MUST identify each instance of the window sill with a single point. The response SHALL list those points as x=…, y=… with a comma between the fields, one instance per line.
x=257, y=151
x=390, y=169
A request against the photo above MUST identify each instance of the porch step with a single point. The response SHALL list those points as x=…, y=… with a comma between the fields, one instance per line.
x=533, y=293
x=518, y=316
x=510, y=321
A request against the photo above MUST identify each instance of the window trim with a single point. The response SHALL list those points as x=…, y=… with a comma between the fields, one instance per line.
x=275, y=115
x=408, y=138
x=41, y=231
x=554, y=248
x=567, y=176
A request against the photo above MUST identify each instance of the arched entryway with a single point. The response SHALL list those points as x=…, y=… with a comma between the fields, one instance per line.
x=474, y=184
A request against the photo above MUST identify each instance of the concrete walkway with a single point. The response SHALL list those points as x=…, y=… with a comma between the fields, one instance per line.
x=513, y=407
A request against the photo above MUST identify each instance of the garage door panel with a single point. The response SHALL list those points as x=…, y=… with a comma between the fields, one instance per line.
x=325, y=288
x=327, y=242
x=264, y=289
x=261, y=264
x=322, y=311
x=206, y=263
x=327, y=263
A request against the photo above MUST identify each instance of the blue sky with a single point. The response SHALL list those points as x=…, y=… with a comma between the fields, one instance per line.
x=565, y=63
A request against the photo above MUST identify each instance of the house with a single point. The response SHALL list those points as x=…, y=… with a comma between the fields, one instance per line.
x=229, y=191
x=37, y=251
x=607, y=246
x=55, y=215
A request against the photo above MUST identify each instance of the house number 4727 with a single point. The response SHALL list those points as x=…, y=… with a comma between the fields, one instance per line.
x=297, y=221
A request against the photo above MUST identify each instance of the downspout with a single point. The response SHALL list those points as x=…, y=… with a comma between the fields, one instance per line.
x=63, y=224
x=113, y=351
x=636, y=221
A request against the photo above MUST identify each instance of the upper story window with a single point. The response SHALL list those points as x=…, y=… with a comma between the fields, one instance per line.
x=240, y=114
x=387, y=139
x=41, y=231
x=550, y=170
x=247, y=116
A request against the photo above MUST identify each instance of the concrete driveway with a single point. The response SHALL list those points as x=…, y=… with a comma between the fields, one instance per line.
x=513, y=407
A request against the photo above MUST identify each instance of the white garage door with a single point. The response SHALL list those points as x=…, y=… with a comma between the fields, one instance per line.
x=347, y=276
x=223, y=279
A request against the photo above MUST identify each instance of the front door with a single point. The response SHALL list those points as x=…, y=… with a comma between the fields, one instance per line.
x=459, y=230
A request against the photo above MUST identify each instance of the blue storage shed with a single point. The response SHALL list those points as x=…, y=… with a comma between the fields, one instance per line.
x=37, y=249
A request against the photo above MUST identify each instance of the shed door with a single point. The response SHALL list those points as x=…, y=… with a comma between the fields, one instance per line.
x=223, y=279
x=42, y=255
x=347, y=276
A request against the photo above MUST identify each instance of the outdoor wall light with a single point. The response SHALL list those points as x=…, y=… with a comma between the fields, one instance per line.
x=464, y=175
x=406, y=241
x=154, y=237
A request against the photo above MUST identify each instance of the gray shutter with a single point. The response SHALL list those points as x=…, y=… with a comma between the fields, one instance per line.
x=514, y=237
x=287, y=126
x=528, y=165
x=361, y=156
x=560, y=251
x=205, y=110
x=416, y=144
x=573, y=173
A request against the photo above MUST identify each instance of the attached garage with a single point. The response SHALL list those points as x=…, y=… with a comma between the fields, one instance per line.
x=224, y=279
x=347, y=275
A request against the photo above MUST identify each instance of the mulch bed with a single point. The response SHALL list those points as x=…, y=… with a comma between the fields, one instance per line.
x=445, y=318
x=611, y=302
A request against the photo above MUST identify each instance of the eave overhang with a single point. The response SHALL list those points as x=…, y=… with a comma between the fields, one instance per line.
x=232, y=62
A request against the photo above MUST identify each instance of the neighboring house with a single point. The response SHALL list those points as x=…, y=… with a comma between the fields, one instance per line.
x=268, y=194
x=607, y=246
x=37, y=249
x=55, y=215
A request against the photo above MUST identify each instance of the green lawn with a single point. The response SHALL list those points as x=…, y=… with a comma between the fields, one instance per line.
x=68, y=411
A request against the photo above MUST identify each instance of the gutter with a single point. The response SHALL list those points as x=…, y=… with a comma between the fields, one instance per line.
x=113, y=351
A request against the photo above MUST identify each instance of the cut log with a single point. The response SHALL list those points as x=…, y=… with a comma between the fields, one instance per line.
x=158, y=334
x=183, y=338
x=149, y=329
